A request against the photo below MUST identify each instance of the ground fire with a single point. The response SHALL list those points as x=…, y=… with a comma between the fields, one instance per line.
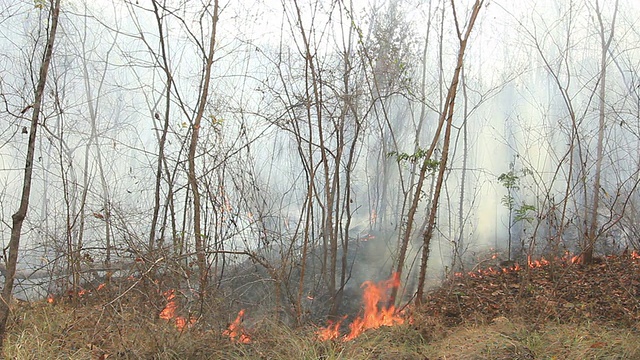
x=169, y=312
x=377, y=312
x=236, y=332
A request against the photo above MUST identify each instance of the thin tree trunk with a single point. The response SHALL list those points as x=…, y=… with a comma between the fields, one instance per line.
x=21, y=214
x=165, y=127
x=448, y=114
x=413, y=200
x=592, y=231
x=460, y=244
x=193, y=180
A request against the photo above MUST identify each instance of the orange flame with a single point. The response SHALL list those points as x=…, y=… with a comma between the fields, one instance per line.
x=50, y=299
x=330, y=332
x=182, y=322
x=537, y=263
x=169, y=311
x=375, y=317
x=578, y=259
x=376, y=312
x=236, y=332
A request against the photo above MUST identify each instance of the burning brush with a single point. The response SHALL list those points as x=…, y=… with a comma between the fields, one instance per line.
x=377, y=312
x=236, y=332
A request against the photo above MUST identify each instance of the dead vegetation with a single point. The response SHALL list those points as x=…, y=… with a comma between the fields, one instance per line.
x=557, y=310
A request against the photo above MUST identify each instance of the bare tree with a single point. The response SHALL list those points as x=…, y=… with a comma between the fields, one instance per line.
x=592, y=234
x=448, y=116
x=21, y=213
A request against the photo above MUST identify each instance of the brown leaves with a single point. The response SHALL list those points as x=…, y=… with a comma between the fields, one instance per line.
x=559, y=290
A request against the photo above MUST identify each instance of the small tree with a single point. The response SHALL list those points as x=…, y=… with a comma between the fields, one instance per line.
x=21, y=214
x=517, y=212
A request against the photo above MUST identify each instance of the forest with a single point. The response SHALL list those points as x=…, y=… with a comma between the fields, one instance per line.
x=195, y=160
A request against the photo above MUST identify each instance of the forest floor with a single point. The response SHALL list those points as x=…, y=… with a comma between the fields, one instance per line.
x=543, y=310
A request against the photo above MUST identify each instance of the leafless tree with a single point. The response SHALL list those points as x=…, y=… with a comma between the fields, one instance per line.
x=21, y=213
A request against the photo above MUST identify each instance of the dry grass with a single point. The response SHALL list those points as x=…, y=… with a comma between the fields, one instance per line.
x=59, y=331
x=508, y=340
x=43, y=331
x=585, y=341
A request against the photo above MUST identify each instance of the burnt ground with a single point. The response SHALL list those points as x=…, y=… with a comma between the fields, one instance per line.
x=607, y=292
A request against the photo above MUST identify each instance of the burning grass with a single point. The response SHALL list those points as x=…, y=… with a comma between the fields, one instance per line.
x=377, y=312
x=551, y=310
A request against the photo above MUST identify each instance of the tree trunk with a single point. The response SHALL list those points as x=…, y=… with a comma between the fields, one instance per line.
x=448, y=115
x=165, y=127
x=193, y=180
x=592, y=231
x=21, y=214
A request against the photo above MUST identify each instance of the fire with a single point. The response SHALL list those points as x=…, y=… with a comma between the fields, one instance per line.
x=330, y=332
x=50, y=299
x=377, y=312
x=567, y=259
x=537, y=263
x=367, y=237
x=578, y=259
x=169, y=311
x=181, y=322
x=236, y=332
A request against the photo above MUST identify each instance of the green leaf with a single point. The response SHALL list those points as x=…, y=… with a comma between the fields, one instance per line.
x=509, y=180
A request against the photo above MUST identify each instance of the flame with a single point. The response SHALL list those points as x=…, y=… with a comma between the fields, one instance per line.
x=330, y=332
x=101, y=286
x=566, y=260
x=169, y=311
x=376, y=312
x=578, y=259
x=537, y=263
x=50, y=299
x=375, y=317
x=182, y=322
x=367, y=237
x=236, y=332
